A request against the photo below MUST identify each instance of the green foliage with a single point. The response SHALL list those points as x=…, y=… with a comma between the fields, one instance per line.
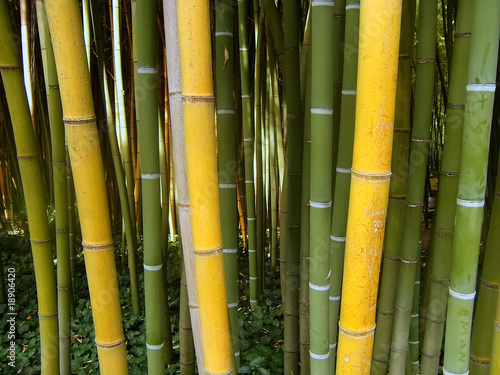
x=261, y=329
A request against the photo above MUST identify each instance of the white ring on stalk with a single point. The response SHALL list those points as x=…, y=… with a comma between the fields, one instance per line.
x=319, y=288
x=337, y=239
x=467, y=203
x=489, y=87
x=462, y=296
x=320, y=357
x=322, y=111
x=153, y=268
x=154, y=347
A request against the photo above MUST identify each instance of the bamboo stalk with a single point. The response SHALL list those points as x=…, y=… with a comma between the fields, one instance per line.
x=34, y=192
x=200, y=143
x=479, y=100
x=60, y=192
x=226, y=138
x=442, y=236
x=419, y=150
x=321, y=183
x=86, y=162
x=375, y=102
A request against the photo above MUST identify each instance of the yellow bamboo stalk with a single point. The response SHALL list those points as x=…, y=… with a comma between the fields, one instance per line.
x=371, y=169
x=199, y=126
x=83, y=144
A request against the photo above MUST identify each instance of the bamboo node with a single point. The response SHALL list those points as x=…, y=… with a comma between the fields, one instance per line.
x=293, y=225
x=456, y=106
x=156, y=267
x=488, y=285
x=320, y=357
x=58, y=163
x=381, y=361
x=54, y=87
x=187, y=363
x=337, y=239
x=64, y=336
x=446, y=372
x=304, y=203
x=408, y=261
x=10, y=67
x=343, y=170
x=208, y=253
x=295, y=173
x=61, y=231
x=40, y=241
x=461, y=35
x=349, y=92
x=195, y=99
x=421, y=140
x=445, y=234
x=401, y=308
x=291, y=350
x=402, y=351
x=154, y=347
x=112, y=345
x=46, y=316
x=79, y=121
x=33, y=156
x=414, y=205
x=320, y=204
x=382, y=177
x=470, y=203
x=430, y=355
x=479, y=362
x=319, y=288
x=404, y=57
x=387, y=257
x=424, y=61
x=386, y=313
x=402, y=131
x=437, y=321
x=360, y=334
x=98, y=247
x=352, y=6
x=63, y=288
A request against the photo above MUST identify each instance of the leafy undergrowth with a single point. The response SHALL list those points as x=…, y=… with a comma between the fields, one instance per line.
x=260, y=329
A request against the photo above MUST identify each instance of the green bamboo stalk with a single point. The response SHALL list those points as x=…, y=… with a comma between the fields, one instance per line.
x=415, y=322
x=187, y=358
x=419, y=149
x=64, y=299
x=275, y=120
x=120, y=116
x=248, y=144
x=72, y=226
x=257, y=95
x=335, y=281
x=482, y=334
x=226, y=138
x=321, y=183
x=304, y=313
x=150, y=180
x=343, y=168
x=442, y=236
x=472, y=184
x=164, y=185
x=397, y=197
x=35, y=194
x=294, y=146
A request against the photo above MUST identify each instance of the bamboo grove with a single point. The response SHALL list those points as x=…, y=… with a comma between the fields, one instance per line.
x=350, y=144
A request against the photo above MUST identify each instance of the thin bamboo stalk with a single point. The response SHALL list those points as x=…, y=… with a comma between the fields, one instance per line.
x=226, y=139
x=343, y=168
x=60, y=191
x=419, y=150
x=442, y=236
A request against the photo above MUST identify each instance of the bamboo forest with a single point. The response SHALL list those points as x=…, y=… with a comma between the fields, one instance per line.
x=249, y=187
